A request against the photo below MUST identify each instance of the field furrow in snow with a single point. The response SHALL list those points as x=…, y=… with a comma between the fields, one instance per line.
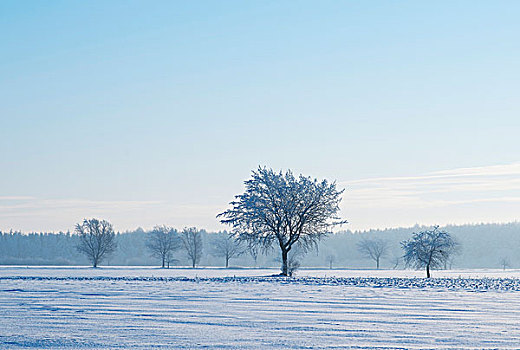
x=249, y=313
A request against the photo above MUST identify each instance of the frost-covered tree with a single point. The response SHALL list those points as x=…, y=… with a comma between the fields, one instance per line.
x=374, y=249
x=227, y=247
x=192, y=243
x=162, y=241
x=429, y=249
x=97, y=239
x=283, y=209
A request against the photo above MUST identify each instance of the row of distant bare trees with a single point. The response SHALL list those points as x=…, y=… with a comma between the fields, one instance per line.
x=428, y=249
x=98, y=241
x=164, y=241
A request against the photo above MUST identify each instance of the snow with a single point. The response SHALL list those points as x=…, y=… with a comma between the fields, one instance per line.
x=143, y=308
x=147, y=271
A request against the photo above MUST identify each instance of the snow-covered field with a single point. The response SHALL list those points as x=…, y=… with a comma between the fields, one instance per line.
x=143, y=308
x=147, y=271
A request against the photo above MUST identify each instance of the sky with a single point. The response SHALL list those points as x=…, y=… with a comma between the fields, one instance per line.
x=147, y=113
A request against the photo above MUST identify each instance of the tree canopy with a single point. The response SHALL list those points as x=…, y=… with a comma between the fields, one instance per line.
x=374, y=249
x=429, y=248
x=96, y=239
x=161, y=242
x=280, y=207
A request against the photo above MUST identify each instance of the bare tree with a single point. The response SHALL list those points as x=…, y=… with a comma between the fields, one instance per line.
x=373, y=249
x=282, y=208
x=330, y=260
x=162, y=241
x=430, y=249
x=226, y=246
x=192, y=242
x=504, y=262
x=97, y=239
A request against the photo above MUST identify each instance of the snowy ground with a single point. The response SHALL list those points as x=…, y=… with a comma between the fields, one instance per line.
x=143, y=308
x=147, y=271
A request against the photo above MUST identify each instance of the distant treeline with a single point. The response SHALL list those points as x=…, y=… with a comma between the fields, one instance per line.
x=482, y=246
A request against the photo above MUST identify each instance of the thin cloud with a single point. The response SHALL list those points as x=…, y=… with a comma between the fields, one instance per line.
x=454, y=175
x=40, y=214
x=15, y=198
x=32, y=203
x=496, y=188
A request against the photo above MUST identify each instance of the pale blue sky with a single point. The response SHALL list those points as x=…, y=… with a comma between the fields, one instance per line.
x=155, y=112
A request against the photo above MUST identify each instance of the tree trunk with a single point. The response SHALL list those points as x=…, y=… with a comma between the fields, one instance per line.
x=193, y=263
x=163, y=258
x=285, y=267
x=377, y=263
x=227, y=262
x=428, y=271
